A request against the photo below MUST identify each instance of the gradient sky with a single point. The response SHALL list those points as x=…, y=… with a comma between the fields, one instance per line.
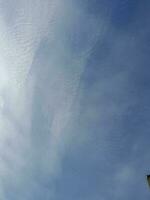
x=74, y=99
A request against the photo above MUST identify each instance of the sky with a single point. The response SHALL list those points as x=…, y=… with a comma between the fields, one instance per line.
x=74, y=99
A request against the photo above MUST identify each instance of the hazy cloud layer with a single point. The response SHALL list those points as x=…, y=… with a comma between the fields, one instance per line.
x=74, y=99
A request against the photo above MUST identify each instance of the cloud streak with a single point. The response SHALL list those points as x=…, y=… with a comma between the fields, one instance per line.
x=73, y=99
x=40, y=72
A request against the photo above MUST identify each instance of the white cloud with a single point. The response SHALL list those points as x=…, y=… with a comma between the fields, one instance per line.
x=34, y=21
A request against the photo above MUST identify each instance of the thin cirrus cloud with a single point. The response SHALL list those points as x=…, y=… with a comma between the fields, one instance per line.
x=40, y=73
x=73, y=99
x=20, y=35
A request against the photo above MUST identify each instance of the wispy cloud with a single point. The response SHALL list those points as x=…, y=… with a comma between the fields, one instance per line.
x=70, y=76
x=38, y=89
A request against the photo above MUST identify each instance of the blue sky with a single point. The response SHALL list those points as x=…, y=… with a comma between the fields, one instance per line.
x=74, y=99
